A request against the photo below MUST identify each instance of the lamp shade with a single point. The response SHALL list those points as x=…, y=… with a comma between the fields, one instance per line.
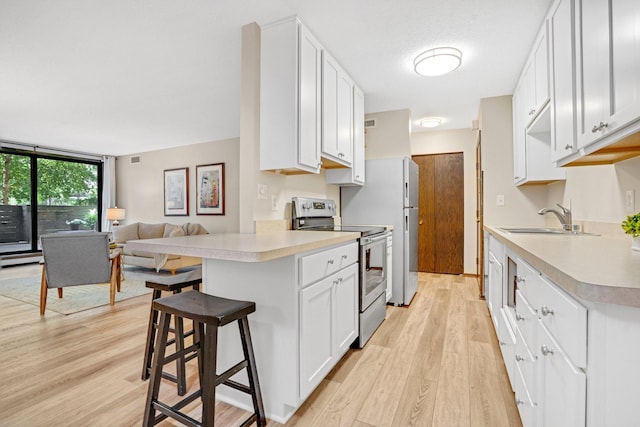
x=437, y=61
x=115, y=214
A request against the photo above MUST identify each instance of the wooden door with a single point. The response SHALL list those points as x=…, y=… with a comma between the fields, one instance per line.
x=441, y=213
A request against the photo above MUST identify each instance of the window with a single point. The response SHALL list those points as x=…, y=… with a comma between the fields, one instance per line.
x=65, y=192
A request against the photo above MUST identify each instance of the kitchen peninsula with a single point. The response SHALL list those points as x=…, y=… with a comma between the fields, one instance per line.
x=305, y=286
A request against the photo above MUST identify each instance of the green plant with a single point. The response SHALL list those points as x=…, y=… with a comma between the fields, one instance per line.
x=76, y=222
x=91, y=217
x=631, y=225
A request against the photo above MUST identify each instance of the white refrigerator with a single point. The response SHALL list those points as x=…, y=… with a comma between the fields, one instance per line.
x=390, y=197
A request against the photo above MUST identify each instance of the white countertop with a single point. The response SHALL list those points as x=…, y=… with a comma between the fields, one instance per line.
x=244, y=247
x=595, y=268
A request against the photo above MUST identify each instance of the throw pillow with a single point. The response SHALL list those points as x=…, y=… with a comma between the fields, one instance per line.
x=151, y=231
x=123, y=233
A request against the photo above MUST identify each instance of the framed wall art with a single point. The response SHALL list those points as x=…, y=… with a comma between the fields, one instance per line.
x=176, y=192
x=210, y=189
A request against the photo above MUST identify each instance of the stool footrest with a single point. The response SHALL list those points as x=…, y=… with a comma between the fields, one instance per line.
x=223, y=377
x=174, y=411
x=253, y=418
x=180, y=353
x=237, y=386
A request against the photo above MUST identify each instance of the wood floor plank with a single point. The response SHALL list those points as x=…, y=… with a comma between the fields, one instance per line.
x=452, y=406
x=380, y=406
x=84, y=369
x=343, y=408
x=487, y=406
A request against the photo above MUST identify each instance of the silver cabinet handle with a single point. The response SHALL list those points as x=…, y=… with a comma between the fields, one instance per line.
x=519, y=279
x=330, y=261
x=568, y=147
x=344, y=256
x=546, y=350
x=599, y=127
x=519, y=318
x=516, y=177
x=545, y=310
x=519, y=358
x=520, y=402
x=503, y=343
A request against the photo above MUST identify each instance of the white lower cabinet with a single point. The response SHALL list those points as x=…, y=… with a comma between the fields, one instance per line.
x=328, y=325
x=563, y=386
x=507, y=339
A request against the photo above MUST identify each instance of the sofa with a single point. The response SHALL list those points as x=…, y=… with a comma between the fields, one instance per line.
x=139, y=231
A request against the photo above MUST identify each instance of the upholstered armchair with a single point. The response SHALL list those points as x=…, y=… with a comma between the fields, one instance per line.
x=78, y=258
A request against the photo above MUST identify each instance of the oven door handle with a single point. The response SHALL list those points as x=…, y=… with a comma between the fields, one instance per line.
x=367, y=240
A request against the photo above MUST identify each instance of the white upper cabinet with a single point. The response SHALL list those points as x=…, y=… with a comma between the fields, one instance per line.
x=561, y=58
x=337, y=112
x=607, y=67
x=290, y=98
x=531, y=119
x=535, y=79
x=355, y=174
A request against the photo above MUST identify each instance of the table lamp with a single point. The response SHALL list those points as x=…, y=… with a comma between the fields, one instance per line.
x=115, y=214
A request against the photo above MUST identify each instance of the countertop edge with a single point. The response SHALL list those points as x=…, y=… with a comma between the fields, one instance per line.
x=181, y=246
x=598, y=293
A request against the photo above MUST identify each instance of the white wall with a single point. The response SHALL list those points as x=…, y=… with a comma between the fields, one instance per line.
x=456, y=141
x=391, y=137
x=597, y=193
x=521, y=203
x=141, y=185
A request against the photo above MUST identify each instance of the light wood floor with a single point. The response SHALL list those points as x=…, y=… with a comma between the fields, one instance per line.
x=436, y=363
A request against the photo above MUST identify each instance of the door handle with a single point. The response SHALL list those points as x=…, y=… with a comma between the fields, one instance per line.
x=420, y=222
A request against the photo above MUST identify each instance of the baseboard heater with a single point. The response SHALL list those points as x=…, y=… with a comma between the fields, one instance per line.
x=9, y=260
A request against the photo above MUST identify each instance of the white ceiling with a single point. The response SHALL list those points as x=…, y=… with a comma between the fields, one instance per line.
x=121, y=77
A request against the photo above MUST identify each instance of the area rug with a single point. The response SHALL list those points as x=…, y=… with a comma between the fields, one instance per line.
x=77, y=298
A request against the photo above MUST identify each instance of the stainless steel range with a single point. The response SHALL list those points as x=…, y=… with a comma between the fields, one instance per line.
x=318, y=215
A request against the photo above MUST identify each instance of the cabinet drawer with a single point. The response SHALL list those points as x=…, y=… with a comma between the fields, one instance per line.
x=507, y=345
x=566, y=320
x=526, y=407
x=527, y=319
x=527, y=277
x=316, y=266
x=526, y=364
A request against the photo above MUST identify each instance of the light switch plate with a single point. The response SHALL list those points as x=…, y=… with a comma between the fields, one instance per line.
x=500, y=200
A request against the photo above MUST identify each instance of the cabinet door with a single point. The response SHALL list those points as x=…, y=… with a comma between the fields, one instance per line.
x=562, y=80
x=310, y=100
x=345, y=119
x=625, y=62
x=494, y=297
x=316, y=335
x=330, y=79
x=358, y=135
x=541, y=66
x=519, y=124
x=564, y=386
x=346, y=308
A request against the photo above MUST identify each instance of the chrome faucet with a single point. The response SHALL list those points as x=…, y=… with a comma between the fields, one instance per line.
x=564, y=217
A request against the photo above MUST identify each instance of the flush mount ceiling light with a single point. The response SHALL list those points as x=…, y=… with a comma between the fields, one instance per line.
x=437, y=61
x=430, y=122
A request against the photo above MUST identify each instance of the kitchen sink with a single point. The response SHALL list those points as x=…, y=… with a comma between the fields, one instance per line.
x=543, y=230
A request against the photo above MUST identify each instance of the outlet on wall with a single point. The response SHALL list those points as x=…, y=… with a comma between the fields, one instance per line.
x=630, y=201
x=500, y=200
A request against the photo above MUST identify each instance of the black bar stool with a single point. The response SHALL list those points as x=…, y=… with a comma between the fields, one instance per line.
x=174, y=284
x=208, y=314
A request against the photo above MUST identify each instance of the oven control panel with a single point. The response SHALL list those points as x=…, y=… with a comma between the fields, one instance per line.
x=306, y=207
